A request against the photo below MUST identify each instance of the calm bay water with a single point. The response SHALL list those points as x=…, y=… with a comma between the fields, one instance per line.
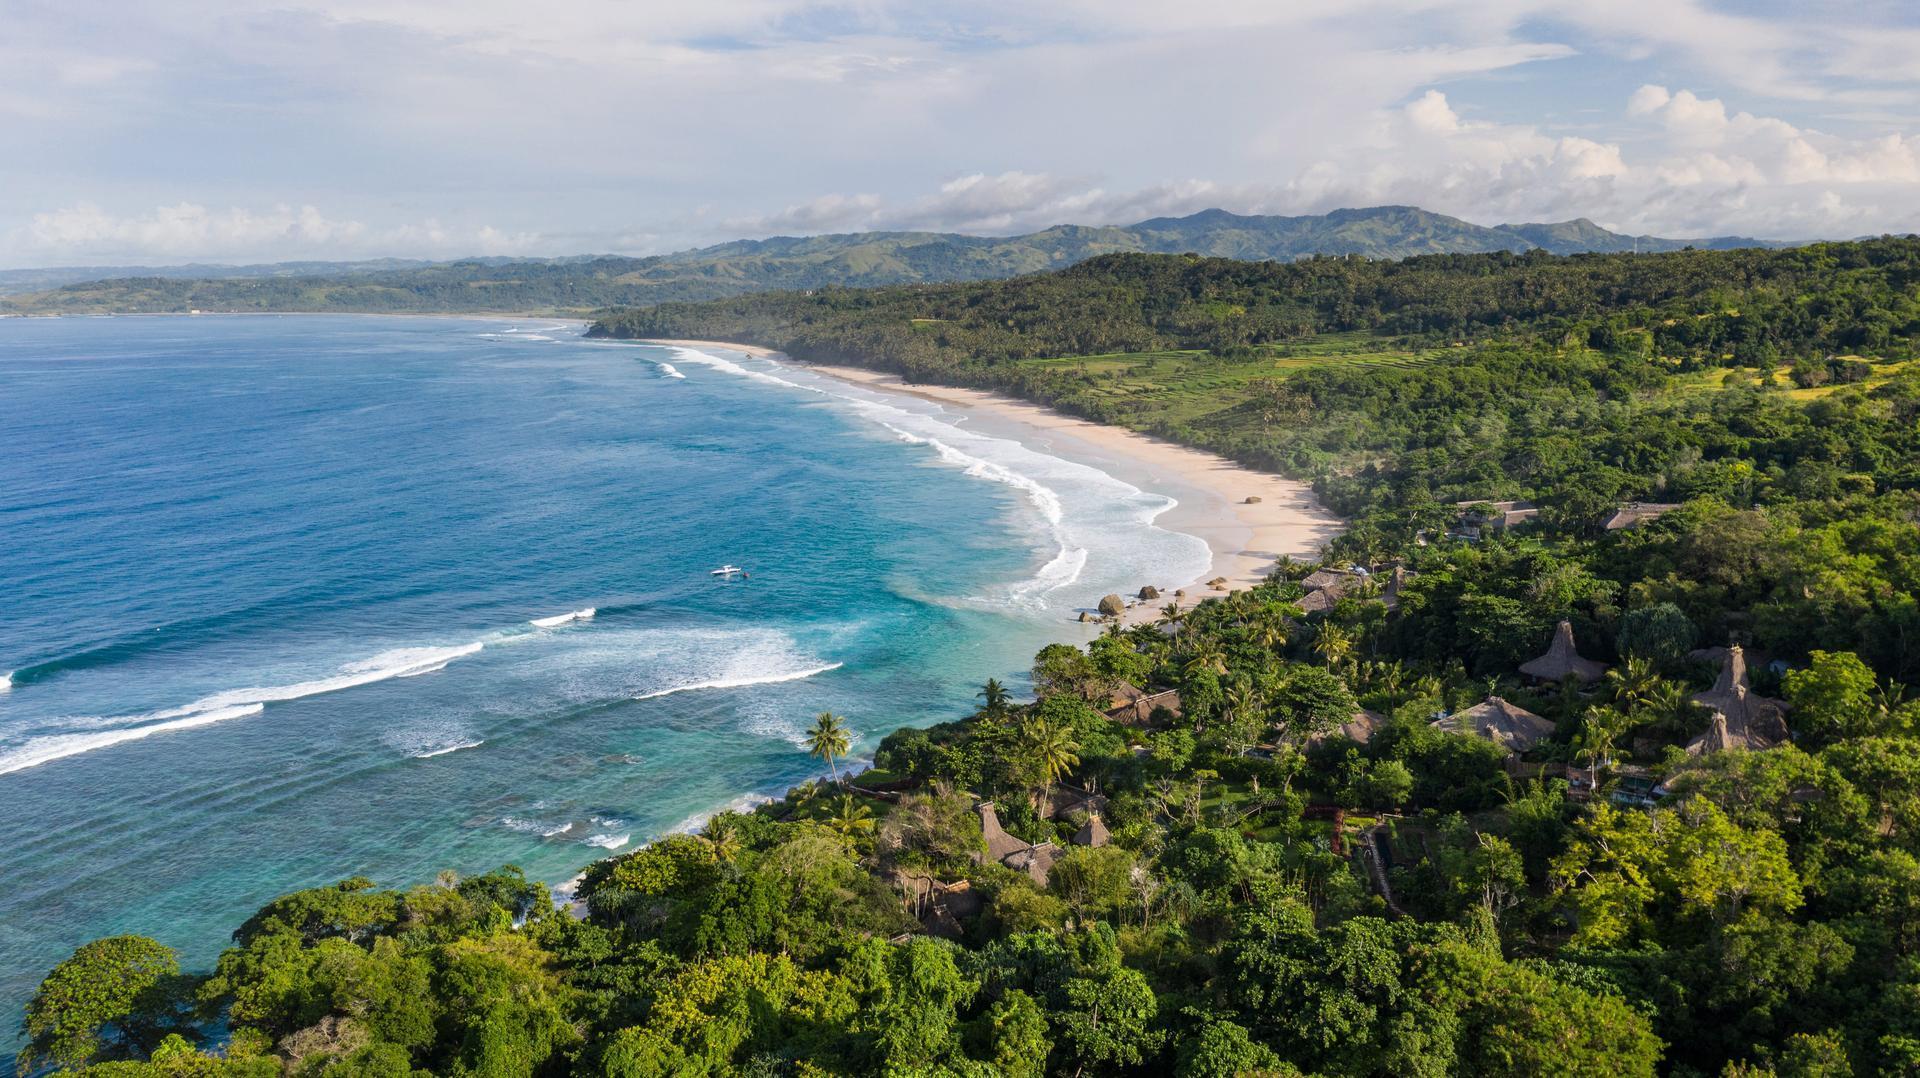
x=269, y=586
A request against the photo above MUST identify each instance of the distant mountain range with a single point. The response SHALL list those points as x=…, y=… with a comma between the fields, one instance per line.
x=858, y=259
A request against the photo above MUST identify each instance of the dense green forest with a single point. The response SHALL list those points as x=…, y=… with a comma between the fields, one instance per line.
x=1489, y=791
x=578, y=285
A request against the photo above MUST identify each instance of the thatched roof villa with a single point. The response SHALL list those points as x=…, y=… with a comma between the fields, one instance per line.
x=1562, y=660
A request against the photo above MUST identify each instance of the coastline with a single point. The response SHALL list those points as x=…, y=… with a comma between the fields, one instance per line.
x=1246, y=539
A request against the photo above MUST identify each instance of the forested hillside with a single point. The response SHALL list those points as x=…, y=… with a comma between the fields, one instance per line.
x=860, y=259
x=1617, y=776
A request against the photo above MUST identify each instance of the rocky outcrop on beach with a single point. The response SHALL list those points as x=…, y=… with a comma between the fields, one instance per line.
x=1149, y=592
x=1113, y=606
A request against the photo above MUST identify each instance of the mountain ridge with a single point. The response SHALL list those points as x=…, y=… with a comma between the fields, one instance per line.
x=853, y=259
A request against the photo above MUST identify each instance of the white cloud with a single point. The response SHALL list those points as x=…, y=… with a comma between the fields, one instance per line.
x=647, y=125
x=84, y=232
x=1648, y=98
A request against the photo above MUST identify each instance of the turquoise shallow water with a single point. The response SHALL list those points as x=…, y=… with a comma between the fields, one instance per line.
x=270, y=587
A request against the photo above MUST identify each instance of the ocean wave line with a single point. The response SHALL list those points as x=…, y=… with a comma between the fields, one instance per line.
x=46, y=749
x=429, y=754
x=563, y=619
x=739, y=682
x=232, y=704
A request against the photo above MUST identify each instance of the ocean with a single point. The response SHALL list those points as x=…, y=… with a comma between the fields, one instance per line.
x=285, y=600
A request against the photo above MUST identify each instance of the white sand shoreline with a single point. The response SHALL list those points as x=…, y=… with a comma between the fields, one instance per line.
x=1246, y=538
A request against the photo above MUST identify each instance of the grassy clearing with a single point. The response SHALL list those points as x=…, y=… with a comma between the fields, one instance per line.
x=1711, y=381
x=1182, y=385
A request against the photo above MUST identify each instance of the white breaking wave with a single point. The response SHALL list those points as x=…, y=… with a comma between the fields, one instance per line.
x=609, y=842
x=6, y=682
x=44, y=749
x=721, y=363
x=1108, y=543
x=536, y=827
x=694, y=823
x=1068, y=560
x=232, y=704
x=563, y=619
x=450, y=748
x=739, y=682
x=671, y=371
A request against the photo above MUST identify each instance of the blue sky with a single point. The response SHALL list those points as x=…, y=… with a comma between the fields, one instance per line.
x=138, y=131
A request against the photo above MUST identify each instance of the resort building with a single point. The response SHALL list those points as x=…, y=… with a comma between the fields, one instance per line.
x=1510, y=726
x=1562, y=662
x=1634, y=514
x=1751, y=721
x=1017, y=854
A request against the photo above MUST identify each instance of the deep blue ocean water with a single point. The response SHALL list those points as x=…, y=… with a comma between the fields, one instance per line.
x=268, y=588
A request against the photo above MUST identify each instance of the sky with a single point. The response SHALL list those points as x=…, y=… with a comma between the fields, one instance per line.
x=166, y=131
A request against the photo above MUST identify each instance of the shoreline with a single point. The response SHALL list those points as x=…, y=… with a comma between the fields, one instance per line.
x=1246, y=539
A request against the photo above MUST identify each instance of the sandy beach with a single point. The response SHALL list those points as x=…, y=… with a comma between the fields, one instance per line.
x=1246, y=538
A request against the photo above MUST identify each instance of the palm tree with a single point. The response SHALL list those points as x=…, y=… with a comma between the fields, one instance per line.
x=723, y=835
x=829, y=739
x=1391, y=676
x=994, y=699
x=1171, y=614
x=1635, y=685
x=1270, y=629
x=1333, y=644
x=1052, y=748
x=1206, y=655
x=1241, y=698
x=1599, y=728
x=1670, y=710
x=850, y=817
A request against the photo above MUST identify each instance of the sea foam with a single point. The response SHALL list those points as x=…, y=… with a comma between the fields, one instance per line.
x=1127, y=544
x=231, y=704
x=42, y=750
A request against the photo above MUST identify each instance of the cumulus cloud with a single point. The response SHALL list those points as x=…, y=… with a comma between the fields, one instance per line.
x=1705, y=170
x=639, y=125
x=186, y=231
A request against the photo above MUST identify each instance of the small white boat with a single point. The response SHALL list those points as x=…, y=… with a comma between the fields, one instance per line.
x=726, y=570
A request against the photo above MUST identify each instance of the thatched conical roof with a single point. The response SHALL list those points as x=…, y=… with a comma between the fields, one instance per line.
x=1758, y=719
x=1733, y=675
x=1360, y=728
x=1561, y=660
x=1717, y=737
x=1396, y=582
x=1000, y=845
x=1092, y=833
x=1500, y=722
